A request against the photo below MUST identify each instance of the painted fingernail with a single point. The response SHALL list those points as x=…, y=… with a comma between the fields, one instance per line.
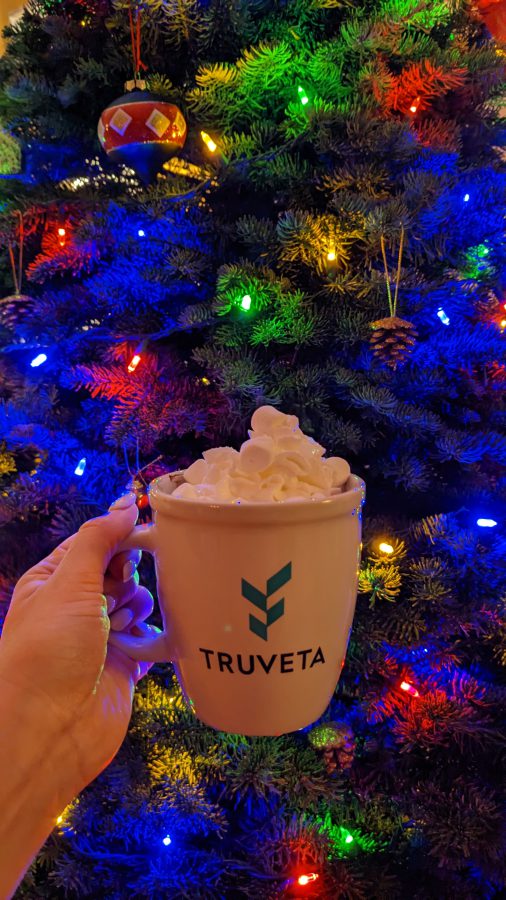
x=111, y=603
x=120, y=619
x=129, y=570
x=124, y=501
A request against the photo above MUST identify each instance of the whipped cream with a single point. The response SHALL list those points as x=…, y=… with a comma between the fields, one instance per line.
x=279, y=463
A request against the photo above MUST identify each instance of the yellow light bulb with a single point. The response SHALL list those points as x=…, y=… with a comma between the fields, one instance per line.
x=208, y=141
x=503, y=323
x=59, y=820
x=205, y=381
x=331, y=255
x=386, y=548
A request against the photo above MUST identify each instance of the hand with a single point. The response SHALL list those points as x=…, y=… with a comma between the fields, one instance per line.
x=54, y=656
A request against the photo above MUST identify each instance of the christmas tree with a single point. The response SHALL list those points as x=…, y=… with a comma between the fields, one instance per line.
x=327, y=237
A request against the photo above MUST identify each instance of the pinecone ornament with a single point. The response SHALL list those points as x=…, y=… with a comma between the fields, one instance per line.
x=392, y=340
x=13, y=307
x=336, y=742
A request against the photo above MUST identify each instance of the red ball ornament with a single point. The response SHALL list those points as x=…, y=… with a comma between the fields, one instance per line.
x=142, y=131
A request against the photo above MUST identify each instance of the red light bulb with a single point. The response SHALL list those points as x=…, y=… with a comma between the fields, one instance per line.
x=306, y=879
x=406, y=686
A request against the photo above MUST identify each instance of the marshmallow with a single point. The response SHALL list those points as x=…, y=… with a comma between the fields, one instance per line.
x=267, y=419
x=196, y=472
x=339, y=469
x=256, y=454
x=278, y=464
x=221, y=456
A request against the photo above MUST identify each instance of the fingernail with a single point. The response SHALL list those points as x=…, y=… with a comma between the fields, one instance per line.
x=111, y=603
x=120, y=619
x=129, y=570
x=124, y=501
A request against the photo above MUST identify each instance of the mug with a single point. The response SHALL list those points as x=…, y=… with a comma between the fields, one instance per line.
x=257, y=601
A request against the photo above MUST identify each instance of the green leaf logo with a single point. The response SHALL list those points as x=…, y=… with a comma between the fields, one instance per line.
x=259, y=599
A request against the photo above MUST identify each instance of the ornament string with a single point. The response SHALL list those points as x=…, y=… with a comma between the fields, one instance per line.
x=135, y=37
x=392, y=303
x=17, y=272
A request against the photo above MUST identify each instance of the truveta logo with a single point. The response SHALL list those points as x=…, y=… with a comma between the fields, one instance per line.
x=259, y=599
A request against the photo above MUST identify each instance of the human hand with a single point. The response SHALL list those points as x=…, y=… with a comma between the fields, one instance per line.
x=54, y=655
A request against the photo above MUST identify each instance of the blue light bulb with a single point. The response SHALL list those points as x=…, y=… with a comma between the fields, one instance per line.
x=141, y=232
x=466, y=198
x=167, y=840
x=79, y=469
x=38, y=360
x=486, y=523
x=442, y=316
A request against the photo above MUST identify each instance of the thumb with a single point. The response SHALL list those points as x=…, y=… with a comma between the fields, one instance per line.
x=96, y=542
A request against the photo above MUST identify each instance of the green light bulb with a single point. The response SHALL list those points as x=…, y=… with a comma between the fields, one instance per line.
x=246, y=301
x=303, y=97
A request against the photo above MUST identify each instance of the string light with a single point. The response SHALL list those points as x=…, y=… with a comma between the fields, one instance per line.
x=79, y=469
x=208, y=141
x=59, y=820
x=38, y=360
x=466, y=198
x=205, y=381
x=486, y=523
x=386, y=548
x=348, y=839
x=246, y=302
x=307, y=879
x=141, y=232
x=503, y=324
x=406, y=686
x=414, y=106
x=134, y=362
x=167, y=840
x=303, y=97
x=61, y=235
x=442, y=316
x=331, y=255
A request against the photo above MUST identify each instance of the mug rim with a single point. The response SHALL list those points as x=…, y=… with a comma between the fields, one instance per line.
x=353, y=498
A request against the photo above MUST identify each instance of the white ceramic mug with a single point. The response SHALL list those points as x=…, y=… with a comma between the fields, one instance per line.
x=257, y=602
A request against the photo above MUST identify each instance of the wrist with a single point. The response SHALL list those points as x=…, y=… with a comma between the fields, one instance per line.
x=34, y=787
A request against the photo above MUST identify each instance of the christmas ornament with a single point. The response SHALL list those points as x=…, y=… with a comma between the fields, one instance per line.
x=336, y=742
x=392, y=337
x=17, y=302
x=142, y=131
x=392, y=340
x=137, y=484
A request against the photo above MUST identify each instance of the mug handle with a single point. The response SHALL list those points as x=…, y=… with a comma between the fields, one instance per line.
x=152, y=645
